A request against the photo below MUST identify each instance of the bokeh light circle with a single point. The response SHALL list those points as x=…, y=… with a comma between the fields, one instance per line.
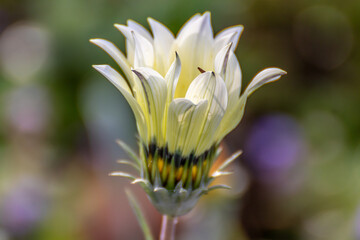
x=24, y=50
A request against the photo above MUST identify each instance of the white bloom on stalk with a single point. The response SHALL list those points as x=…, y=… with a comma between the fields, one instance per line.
x=185, y=93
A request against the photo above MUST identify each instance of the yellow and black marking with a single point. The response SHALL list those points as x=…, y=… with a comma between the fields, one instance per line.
x=171, y=168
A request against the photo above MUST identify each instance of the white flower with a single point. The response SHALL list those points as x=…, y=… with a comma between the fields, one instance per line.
x=185, y=95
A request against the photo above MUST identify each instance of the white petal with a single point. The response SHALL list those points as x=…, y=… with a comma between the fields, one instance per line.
x=227, y=65
x=188, y=24
x=265, y=76
x=179, y=114
x=118, y=81
x=195, y=47
x=184, y=123
x=163, y=42
x=115, y=53
x=234, y=114
x=221, y=60
x=114, y=77
x=227, y=36
x=140, y=29
x=231, y=118
x=197, y=25
x=172, y=77
x=155, y=93
x=130, y=43
x=209, y=86
x=144, y=52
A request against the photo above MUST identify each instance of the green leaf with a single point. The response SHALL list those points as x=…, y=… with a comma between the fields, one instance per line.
x=139, y=215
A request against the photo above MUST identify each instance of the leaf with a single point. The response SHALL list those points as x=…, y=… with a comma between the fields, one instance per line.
x=139, y=215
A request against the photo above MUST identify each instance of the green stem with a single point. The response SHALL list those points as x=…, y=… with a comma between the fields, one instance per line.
x=168, y=226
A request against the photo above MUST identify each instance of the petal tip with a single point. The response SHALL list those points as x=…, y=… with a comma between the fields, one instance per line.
x=99, y=67
x=95, y=40
x=283, y=72
x=151, y=20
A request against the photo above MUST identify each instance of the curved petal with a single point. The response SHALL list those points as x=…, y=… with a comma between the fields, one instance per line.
x=209, y=86
x=184, y=123
x=197, y=25
x=155, y=91
x=144, y=51
x=138, y=28
x=265, y=76
x=163, y=42
x=130, y=43
x=194, y=45
x=118, y=81
x=227, y=65
x=127, y=31
x=231, y=118
x=234, y=115
x=172, y=77
x=228, y=35
x=188, y=24
x=115, y=53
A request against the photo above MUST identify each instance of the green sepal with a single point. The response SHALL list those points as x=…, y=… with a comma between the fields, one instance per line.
x=171, y=179
x=154, y=166
x=229, y=160
x=130, y=163
x=220, y=186
x=157, y=181
x=189, y=179
x=198, y=173
x=164, y=173
x=129, y=151
x=185, y=171
x=219, y=174
x=123, y=174
x=141, y=181
x=178, y=186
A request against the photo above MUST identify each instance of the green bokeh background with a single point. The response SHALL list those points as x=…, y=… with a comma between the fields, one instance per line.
x=58, y=125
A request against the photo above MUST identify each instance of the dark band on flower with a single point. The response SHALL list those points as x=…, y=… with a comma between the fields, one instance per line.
x=170, y=169
x=179, y=159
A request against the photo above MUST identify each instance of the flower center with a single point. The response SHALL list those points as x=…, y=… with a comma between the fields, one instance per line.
x=169, y=169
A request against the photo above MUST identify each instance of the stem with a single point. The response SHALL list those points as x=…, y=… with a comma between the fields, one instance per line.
x=168, y=227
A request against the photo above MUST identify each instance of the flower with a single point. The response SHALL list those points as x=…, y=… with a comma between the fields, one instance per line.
x=185, y=95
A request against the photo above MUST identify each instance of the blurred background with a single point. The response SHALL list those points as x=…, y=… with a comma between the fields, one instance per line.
x=299, y=176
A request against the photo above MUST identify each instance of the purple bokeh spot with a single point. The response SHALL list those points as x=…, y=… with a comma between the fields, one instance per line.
x=274, y=146
x=22, y=208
